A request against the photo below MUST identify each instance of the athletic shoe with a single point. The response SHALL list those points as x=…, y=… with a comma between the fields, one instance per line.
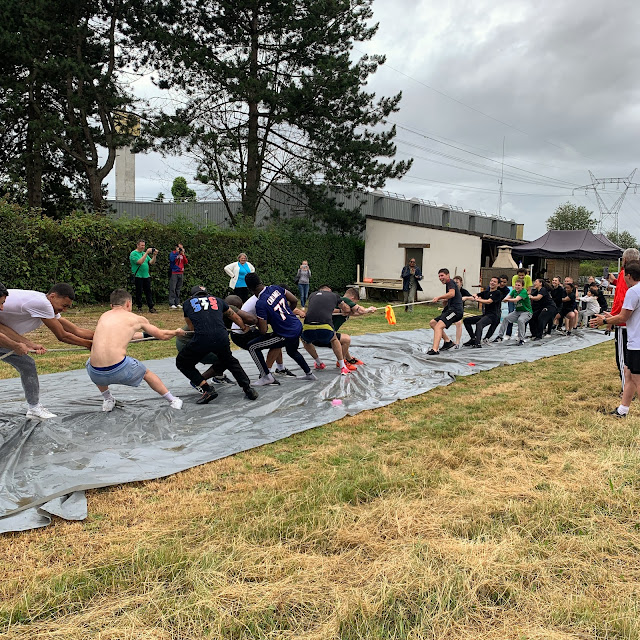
x=108, y=404
x=468, y=343
x=485, y=341
x=536, y=339
x=520, y=342
x=251, y=393
x=285, y=372
x=345, y=372
x=176, y=403
x=355, y=361
x=458, y=346
x=221, y=380
x=205, y=398
x=179, y=306
x=432, y=352
x=265, y=380
x=320, y=366
x=447, y=345
x=309, y=376
x=615, y=414
x=476, y=346
x=348, y=365
x=199, y=389
x=153, y=311
x=498, y=339
x=173, y=306
x=568, y=333
x=40, y=412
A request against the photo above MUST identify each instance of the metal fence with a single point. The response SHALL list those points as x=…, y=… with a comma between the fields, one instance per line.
x=287, y=200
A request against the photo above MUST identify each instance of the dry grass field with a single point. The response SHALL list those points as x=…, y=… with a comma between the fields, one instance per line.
x=504, y=506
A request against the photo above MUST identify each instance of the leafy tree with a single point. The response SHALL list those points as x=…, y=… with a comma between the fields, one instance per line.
x=569, y=217
x=159, y=198
x=623, y=239
x=181, y=192
x=271, y=94
x=60, y=90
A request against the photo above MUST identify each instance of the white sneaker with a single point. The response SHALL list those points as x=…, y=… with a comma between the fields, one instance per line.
x=311, y=376
x=179, y=306
x=40, y=412
x=173, y=306
x=176, y=403
x=108, y=404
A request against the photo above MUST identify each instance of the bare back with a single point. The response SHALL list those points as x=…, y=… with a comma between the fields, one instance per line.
x=114, y=331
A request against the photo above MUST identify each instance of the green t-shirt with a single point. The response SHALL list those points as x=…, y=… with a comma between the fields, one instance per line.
x=143, y=271
x=338, y=321
x=528, y=283
x=524, y=304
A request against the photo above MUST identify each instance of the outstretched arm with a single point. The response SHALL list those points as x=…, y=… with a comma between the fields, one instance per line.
x=59, y=330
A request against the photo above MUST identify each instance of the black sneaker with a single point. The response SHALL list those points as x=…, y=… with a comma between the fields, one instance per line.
x=520, y=342
x=498, y=339
x=285, y=372
x=536, y=339
x=207, y=397
x=432, y=352
x=468, y=343
x=447, y=345
x=251, y=393
x=221, y=380
x=476, y=346
x=616, y=414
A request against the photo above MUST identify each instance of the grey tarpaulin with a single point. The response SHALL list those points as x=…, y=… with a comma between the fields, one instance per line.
x=46, y=466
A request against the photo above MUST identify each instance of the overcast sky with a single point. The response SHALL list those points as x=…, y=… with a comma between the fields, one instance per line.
x=558, y=81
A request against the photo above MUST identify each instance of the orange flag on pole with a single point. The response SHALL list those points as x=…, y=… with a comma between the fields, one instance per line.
x=389, y=315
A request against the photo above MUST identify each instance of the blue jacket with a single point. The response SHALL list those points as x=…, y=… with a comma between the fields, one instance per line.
x=406, y=278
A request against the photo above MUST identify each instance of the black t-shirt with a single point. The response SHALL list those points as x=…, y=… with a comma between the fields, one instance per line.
x=571, y=303
x=504, y=291
x=206, y=315
x=545, y=301
x=491, y=308
x=320, y=307
x=455, y=303
x=557, y=294
x=464, y=293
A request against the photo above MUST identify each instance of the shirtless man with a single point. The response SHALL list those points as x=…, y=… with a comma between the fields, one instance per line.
x=109, y=362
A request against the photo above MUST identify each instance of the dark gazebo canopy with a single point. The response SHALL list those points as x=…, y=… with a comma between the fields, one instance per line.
x=572, y=245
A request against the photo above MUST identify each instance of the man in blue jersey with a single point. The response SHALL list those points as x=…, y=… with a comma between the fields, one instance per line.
x=273, y=307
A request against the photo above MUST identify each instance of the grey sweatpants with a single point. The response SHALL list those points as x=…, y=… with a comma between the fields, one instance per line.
x=26, y=367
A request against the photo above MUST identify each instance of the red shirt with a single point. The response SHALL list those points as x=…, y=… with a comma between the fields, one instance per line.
x=618, y=296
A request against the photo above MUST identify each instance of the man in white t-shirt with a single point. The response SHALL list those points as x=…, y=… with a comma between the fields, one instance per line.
x=24, y=311
x=629, y=314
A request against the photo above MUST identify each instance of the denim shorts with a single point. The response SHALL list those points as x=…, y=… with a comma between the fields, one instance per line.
x=129, y=372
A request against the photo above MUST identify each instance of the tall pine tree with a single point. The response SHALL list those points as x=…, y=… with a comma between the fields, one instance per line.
x=272, y=93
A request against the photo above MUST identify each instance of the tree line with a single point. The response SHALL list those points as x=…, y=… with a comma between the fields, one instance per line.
x=262, y=91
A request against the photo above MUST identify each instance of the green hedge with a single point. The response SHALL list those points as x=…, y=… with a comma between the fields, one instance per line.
x=92, y=253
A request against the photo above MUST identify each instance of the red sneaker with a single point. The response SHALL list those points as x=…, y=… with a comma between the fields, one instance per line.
x=355, y=361
x=320, y=366
x=347, y=365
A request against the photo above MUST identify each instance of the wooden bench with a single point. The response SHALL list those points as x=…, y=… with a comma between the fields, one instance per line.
x=379, y=286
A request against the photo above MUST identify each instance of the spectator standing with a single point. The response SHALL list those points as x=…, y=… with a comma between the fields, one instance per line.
x=302, y=280
x=177, y=260
x=140, y=259
x=237, y=271
x=411, y=276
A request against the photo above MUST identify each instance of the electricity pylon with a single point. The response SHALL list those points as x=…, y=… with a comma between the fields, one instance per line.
x=609, y=215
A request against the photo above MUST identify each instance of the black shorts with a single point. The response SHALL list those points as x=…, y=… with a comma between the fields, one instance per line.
x=449, y=317
x=632, y=360
x=243, y=339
